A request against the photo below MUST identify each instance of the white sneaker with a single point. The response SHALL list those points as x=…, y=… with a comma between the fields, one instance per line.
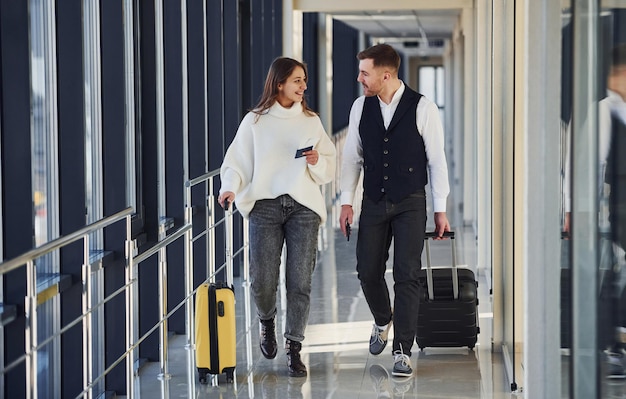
x=401, y=364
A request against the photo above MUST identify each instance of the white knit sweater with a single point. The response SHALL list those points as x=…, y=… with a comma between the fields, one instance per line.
x=260, y=163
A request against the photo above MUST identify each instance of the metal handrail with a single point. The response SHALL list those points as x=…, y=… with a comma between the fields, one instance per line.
x=129, y=288
x=60, y=242
x=202, y=178
x=30, y=302
x=162, y=244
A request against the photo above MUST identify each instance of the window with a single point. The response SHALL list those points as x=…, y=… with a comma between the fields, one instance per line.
x=44, y=136
x=432, y=85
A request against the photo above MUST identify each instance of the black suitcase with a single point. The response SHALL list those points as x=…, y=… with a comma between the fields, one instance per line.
x=448, y=304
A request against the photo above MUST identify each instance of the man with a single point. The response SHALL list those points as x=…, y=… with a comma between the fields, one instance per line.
x=613, y=110
x=395, y=135
x=615, y=174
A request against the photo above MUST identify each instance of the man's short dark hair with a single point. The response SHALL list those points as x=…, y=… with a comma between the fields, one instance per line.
x=382, y=55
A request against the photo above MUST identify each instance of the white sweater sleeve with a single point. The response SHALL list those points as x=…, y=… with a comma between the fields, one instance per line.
x=237, y=167
x=324, y=170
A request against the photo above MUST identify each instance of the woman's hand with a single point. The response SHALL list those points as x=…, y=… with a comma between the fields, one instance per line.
x=226, y=196
x=312, y=157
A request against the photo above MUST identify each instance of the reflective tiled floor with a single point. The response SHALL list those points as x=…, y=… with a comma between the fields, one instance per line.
x=335, y=349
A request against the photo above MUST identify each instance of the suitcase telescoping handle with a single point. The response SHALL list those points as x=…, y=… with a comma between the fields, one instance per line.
x=228, y=233
x=429, y=271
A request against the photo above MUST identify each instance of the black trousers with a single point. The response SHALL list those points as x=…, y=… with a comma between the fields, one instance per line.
x=405, y=223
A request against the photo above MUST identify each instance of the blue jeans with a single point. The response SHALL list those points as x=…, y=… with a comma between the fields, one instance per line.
x=405, y=222
x=272, y=223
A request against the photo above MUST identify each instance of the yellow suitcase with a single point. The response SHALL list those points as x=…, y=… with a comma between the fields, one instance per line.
x=215, y=331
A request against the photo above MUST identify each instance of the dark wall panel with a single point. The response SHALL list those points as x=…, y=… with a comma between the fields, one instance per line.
x=259, y=49
x=16, y=180
x=71, y=181
x=216, y=85
x=148, y=277
x=345, y=72
x=310, y=58
x=215, y=78
x=114, y=176
x=174, y=157
x=113, y=107
x=232, y=86
x=245, y=17
x=619, y=25
x=196, y=88
x=197, y=81
x=232, y=70
x=261, y=43
x=277, y=33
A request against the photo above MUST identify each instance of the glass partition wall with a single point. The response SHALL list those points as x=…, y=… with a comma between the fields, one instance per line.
x=593, y=262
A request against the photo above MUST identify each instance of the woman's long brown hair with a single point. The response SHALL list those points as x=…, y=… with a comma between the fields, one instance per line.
x=278, y=73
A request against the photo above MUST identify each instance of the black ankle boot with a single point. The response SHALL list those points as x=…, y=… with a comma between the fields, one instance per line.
x=267, y=333
x=296, y=367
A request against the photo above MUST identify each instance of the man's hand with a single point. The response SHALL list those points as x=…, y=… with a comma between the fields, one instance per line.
x=441, y=225
x=566, y=223
x=346, y=216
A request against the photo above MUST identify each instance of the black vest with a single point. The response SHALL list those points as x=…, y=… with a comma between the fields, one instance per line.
x=615, y=174
x=394, y=159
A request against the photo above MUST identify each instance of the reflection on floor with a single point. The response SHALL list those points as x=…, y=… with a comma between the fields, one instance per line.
x=335, y=349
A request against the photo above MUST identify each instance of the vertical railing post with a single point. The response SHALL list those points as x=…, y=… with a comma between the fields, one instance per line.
x=130, y=300
x=246, y=293
x=189, y=321
x=30, y=304
x=164, y=374
x=161, y=178
x=246, y=246
x=87, y=320
x=189, y=304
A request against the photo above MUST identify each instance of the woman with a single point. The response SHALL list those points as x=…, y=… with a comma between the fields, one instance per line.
x=273, y=170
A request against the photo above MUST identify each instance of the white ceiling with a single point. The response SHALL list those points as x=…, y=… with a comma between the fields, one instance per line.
x=413, y=32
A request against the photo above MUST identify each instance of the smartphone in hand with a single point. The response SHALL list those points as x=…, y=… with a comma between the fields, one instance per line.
x=348, y=230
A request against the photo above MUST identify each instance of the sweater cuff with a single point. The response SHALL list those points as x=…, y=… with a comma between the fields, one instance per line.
x=230, y=182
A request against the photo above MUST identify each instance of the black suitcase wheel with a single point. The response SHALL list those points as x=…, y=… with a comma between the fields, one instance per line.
x=230, y=376
x=202, y=376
